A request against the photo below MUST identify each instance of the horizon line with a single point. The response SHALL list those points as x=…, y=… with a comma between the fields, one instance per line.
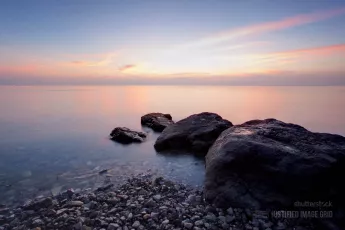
x=173, y=84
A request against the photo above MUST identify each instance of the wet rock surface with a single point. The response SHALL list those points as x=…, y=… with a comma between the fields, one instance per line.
x=195, y=133
x=125, y=135
x=143, y=202
x=157, y=121
x=271, y=164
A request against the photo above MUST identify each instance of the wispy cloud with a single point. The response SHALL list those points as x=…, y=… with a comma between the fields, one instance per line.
x=246, y=45
x=285, y=23
x=321, y=50
x=290, y=56
x=19, y=69
x=103, y=62
x=126, y=67
x=79, y=62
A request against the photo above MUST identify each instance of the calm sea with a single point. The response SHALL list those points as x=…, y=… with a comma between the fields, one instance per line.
x=56, y=137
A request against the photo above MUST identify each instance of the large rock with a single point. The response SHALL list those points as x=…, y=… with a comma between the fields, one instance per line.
x=157, y=121
x=271, y=164
x=195, y=133
x=125, y=136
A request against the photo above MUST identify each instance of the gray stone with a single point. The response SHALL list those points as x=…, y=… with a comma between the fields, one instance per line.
x=198, y=223
x=78, y=226
x=191, y=199
x=222, y=219
x=165, y=222
x=188, y=225
x=113, y=226
x=94, y=214
x=154, y=215
x=210, y=217
x=136, y=224
x=230, y=211
x=150, y=203
x=37, y=222
x=195, y=133
x=146, y=216
x=157, y=197
x=125, y=136
x=75, y=203
x=157, y=121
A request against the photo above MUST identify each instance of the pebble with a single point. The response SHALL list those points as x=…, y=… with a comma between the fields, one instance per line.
x=210, y=217
x=113, y=226
x=154, y=214
x=138, y=204
x=230, y=211
x=147, y=216
x=165, y=222
x=188, y=225
x=136, y=224
x=198, y=223
x=157, y=197
x=75, y=203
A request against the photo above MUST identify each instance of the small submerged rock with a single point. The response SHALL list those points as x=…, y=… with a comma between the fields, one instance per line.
x=105, y=187
x=38, y=204
x=102, y=172
x=157, y=121
x=126, y=136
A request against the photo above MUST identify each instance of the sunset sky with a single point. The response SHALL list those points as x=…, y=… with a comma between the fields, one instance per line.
x=172, y=42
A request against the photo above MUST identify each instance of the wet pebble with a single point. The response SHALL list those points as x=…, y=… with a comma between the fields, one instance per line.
x=138, y=204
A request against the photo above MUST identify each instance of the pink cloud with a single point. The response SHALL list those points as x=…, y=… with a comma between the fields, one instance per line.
x=19, y=69
x=285, y=23
x=294, y=21
x=321, y=50
x=103, y=62
x=290, y=56
x=79, y=62
x=126, y=67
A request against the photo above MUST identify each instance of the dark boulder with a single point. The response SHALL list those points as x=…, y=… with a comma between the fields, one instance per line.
x=157, y=121
x=271, y=164
x=125, y=136
x=195, y=133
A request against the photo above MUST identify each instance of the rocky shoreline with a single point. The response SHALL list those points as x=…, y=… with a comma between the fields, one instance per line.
x=260, y=164
x=255, y=174
x=143, y=202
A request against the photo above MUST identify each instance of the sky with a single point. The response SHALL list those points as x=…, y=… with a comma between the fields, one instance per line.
x=172, y=42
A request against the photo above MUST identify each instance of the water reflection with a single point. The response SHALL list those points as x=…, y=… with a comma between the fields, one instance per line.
x=56, y=137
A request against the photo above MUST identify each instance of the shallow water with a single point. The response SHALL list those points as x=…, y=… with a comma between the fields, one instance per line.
x=56, y=137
